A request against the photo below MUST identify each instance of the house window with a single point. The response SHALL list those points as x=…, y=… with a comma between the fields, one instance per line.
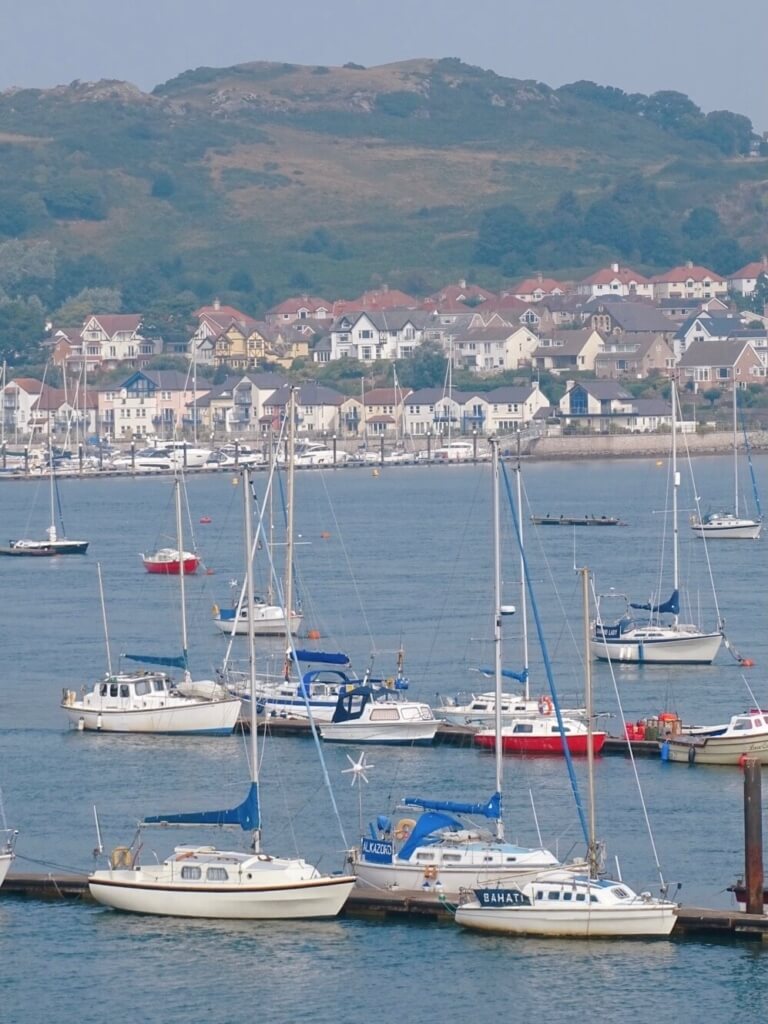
x=365, y=352
x=367, y=335
x=578, y=403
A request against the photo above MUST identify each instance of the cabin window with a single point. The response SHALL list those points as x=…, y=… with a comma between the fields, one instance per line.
x=742, y=724
x=142, y=687
x=125, y=690
x=523, y=727
x=384, y=715
x=426, y=714
x=452, y=858
x=511, y=860
x=621, y=893
x=539, y=895
x=568, y=895
x=408, y=713
x=593, y=899
x=553, y=895
x=113, y=690
x=159, y=685
x=217, y=875
x=580, y=897
x=103, y=690
x=191, y=873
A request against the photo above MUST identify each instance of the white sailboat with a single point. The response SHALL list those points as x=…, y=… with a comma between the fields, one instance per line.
x=443, y=850
x=558, y=904
x=7, y=844
x=731, y=525
x=654, y=640
x=53, y=543
x=150, y=701
x=205, y=882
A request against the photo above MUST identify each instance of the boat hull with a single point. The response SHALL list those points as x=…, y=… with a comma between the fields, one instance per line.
x=46, y=548
x=638, y=920
x=745, y=529
x=403, y=733
x=286, y=900
x=206, y=718
x=716, y=751
x=172, y=568
x=269, y=621
x=552, y=744
x=6, y=859
x=678, y=648
x=443, y=880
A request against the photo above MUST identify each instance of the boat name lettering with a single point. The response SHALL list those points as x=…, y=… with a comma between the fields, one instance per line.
x=501, y=897
x=376, y=850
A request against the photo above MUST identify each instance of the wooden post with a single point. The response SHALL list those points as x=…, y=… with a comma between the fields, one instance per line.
x=753, y=836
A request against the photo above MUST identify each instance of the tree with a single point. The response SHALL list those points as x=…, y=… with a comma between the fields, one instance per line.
x=711, y=395
x=22, y=323
x=702, y=222
x=505, y=231
x=88, y=301
x=425, y=369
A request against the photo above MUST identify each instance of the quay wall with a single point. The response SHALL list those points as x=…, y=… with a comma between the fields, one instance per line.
x=624, y=446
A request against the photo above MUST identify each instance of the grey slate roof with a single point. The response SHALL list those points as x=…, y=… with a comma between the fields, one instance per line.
x=712, y=353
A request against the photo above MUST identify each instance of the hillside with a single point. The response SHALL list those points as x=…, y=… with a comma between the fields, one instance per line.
x=255, y=181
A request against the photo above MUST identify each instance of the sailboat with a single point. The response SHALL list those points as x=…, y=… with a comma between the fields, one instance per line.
x=443, y=850
x=654, y=640
x=262, y=615
x=53, y=544
x=151, y=702
x=561, y=904
x=730, y=525
x=7, y=844
x=205, y=882
x=534, y=728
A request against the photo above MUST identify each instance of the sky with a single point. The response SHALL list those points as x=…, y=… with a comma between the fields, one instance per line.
x=707, y=49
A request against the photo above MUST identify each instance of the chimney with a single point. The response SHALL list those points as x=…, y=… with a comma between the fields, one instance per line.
x=539, y=276
x=615, y=268
x=217, y=304
x=689, y=263
x=568, y=385
x=462, y=284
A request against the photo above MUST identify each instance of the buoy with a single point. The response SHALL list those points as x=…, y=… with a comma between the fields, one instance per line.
x=743, y=761
x=375, y=472
x=325, y=535
x=205, y=519
x=313, y=634
x=209, y=572
x=659, y=462
x=746, y=663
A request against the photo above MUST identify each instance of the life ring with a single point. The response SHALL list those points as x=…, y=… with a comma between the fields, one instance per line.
x=403, y=828
x=545, y=705
x=430, y=872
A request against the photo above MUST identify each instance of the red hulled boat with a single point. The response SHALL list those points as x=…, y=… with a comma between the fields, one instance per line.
x=541, y=735
x=168, y=561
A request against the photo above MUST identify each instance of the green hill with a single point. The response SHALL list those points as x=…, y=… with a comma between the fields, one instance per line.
x=256, y=181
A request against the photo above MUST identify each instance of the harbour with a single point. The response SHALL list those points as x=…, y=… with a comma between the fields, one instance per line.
x=422, y=583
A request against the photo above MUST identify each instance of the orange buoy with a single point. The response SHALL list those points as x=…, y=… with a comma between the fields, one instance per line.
x=746, y=663
x=209, y=572
x=325, y=535
x=205, y=519
x=313, y=634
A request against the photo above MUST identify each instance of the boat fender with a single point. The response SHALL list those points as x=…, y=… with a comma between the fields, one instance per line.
x=403, y=828
x=545, y=705
x=430, y=872
x=664, y=750
x=691, y=754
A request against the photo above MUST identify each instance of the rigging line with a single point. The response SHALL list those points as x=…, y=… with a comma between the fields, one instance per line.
x=703, y=537
x=633, y=761
x=545, y=656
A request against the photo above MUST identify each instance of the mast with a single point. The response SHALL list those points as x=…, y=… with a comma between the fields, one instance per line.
x=497, y=628
x=675, y=486
x=735, y=456
x=289, y=525
x=523, y=602
x=250, y=598
x=593, y=858
x=182, y=589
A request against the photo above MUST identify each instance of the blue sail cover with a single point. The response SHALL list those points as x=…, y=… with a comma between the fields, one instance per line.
x=670, y=607
x=247, y=815
x=151, y=659
x=321, y=657
x=507, y=673
x=491, y=809
x=428, y=823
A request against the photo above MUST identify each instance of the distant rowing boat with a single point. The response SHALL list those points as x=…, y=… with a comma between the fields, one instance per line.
x=576, y=521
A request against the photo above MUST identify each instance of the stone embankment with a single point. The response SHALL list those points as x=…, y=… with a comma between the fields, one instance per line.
x=626, y=446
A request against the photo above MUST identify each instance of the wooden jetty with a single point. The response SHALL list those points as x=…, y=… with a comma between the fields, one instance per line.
x=409, y=905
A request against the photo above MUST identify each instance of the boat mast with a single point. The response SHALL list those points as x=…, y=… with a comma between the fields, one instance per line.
x=182, y=589
x=593, y=854
x=250, y=598
x=735, y=455
x=289, y=517
x=523, y=602
x=497, y=627
x=675, y=486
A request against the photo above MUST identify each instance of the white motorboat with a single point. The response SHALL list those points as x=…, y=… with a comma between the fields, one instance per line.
x=367, y=715
x=558, y=904
x=268, y=619
x=480, y=709
x=150, y=702
x=660, y=638
x=730, y=525
x=439, y=849
x=745, y=735
x=206, y=882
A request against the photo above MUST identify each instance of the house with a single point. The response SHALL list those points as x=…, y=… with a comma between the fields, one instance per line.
x=493, y=349
x=293, y=310
x=615, y=280
x=382, y=411
x=634, y=355
x=319, y=410
x=212, y=322
x=237, y=405
x=534, y=289
x=568, y=351
x=66, y=415
x=19, y=400
x=118, y=338
x=619, y=316
x=512, y=408
x=377, y=300
x=457, y=297
x=602, y=406
x=744, y=281
x=702, y=326
x=149, y=402
x=690, y=282
x=433, y=412
x=392, y=334
x=708, y=364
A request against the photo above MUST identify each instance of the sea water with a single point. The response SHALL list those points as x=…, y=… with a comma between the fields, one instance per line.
x=398, y=559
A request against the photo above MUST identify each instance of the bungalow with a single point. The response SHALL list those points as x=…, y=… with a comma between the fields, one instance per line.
x=708, y=364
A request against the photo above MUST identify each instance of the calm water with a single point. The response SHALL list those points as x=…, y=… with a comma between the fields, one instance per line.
x=401, y=558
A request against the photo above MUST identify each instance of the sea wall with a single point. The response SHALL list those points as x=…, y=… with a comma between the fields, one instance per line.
x=626, y=446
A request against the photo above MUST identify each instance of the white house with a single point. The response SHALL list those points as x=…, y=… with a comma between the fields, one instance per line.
x=744, y=281
x=689, y=282
x=117, y=338
x=616, y=280
x=389, y=334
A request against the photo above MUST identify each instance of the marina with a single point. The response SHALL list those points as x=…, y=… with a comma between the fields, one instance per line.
x=441, y=620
